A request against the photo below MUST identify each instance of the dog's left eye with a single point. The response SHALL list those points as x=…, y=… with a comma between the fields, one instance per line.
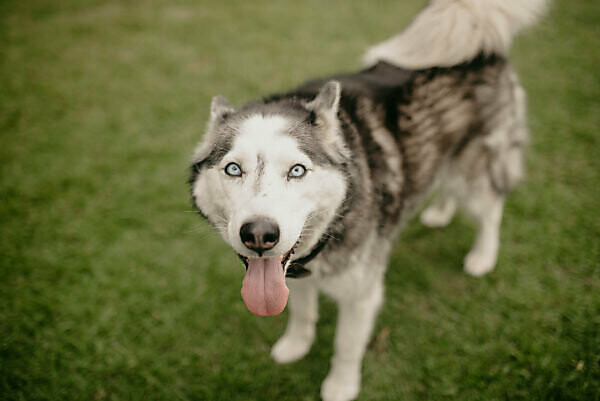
x=233, y=170
x=297, y=171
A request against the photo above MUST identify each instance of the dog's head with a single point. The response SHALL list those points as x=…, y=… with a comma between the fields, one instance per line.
x=268, y=177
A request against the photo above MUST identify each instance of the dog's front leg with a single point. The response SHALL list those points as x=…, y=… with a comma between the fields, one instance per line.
x=300, y=332
x=355, y=323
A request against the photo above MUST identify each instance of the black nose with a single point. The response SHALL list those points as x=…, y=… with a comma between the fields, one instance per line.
x=260, y=235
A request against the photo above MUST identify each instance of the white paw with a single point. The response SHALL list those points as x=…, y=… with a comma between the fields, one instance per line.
x=337, y=387
x=289, y=349
x=436, y=217
x=478, y=263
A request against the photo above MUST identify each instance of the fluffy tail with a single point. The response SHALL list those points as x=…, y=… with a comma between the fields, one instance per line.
x=449, y=32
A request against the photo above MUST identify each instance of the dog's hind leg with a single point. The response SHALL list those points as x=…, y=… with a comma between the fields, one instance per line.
x=356, y=319
x=440, y=212
x=492, y=166
x=486, y=206
x=300, y=332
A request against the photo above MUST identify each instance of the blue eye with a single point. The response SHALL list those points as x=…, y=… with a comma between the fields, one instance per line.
x=297, y=171
x=233, y=170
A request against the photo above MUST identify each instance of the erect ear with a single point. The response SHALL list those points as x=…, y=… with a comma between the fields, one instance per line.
x=327, y=100
x=219, y=107
x=325, y=105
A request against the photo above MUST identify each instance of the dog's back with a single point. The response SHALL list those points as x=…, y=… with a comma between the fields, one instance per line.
x=410, y=125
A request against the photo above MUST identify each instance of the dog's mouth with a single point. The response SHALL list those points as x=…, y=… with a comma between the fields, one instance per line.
x=263, y=290
x=284, y=259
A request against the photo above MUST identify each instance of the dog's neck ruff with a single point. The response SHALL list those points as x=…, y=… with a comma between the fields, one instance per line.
x=297, y=267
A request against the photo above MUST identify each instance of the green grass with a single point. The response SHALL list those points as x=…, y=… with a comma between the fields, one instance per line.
x=111, y=289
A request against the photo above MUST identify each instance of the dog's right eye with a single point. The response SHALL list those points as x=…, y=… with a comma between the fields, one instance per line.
x=233, y=170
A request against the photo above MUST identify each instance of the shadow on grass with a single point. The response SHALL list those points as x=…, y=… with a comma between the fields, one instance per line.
x=422, y=254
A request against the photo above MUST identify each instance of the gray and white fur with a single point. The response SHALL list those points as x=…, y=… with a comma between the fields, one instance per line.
x=429, y=113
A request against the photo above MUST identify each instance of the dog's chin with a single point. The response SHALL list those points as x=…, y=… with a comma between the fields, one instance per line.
x=264, y=290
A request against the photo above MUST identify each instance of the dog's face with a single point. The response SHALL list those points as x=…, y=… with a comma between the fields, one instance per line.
x=268, y=178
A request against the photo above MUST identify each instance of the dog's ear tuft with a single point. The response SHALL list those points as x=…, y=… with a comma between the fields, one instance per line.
x=219, y=108
x=328, y=99
x=324, y=116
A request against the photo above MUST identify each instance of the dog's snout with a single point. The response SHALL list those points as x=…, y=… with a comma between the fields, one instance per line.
x=260, y=235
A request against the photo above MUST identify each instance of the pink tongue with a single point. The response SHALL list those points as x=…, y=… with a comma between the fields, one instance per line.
x=264, y=290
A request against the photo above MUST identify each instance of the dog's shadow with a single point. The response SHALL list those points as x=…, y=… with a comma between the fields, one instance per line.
x=422, y=254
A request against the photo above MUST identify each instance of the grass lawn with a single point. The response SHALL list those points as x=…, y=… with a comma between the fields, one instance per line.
x=112, y=289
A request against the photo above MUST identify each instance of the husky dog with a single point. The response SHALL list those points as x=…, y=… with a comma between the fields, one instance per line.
x=314, y=184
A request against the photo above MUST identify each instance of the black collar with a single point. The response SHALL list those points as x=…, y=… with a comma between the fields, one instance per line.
x=297, y=269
